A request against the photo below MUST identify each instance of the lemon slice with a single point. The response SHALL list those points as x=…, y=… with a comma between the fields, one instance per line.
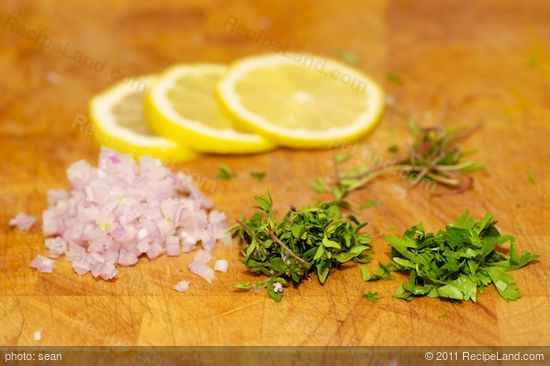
x=181, y=105
x=301, y=100
x=118, y=121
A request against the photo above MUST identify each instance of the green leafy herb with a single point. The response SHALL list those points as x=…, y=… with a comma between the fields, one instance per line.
x=371, y=296
x=382, y=273
x=434, y=159
x=224, y=172
x=366, y=274
x=394, y=78
x=341, y=157
x=245, y=286
x=313, y=239
x=454, y=263
x=532, y=177
x=533, y=62
x=348, y=57
x=370, y=203
x=393, y=149
x=259, y=176
x=319, y=186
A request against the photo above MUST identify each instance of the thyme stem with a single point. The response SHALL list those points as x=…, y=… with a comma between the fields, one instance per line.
x=290, y=252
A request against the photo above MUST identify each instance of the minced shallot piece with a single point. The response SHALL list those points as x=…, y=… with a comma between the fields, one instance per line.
x=182, y=286
x=43, y=264
x=173, y=246
x=221, y=265
x=123, y=209
x=37, y=335
x=199, y=265
x=23, y=221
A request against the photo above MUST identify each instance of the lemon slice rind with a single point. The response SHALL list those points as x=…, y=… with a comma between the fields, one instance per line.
x=108, y=132
x=166, y=121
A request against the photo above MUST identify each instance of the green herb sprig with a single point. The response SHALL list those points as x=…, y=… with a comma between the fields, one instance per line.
x=457, y=262
x=287, y=250
x=434, y=158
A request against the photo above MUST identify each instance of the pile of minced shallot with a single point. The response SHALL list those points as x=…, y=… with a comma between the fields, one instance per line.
x=123, y=209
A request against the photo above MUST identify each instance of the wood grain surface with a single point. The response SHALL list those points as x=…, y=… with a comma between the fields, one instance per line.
x=491, y=59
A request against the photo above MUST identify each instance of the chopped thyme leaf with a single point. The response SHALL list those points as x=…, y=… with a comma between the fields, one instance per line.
x=394, y=78
x=341, y=157
x=393, y=149
x=533, y=62
x=243, y=286
x=319, y=186
x=259, y=176
x=348, y=57
x=532, y=177
x=370, y=203
x=224, y=172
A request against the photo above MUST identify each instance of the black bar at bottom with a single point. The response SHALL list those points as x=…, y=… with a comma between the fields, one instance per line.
x=268, y=356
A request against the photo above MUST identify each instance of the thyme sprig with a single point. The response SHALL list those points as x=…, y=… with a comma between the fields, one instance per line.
x=434, y=158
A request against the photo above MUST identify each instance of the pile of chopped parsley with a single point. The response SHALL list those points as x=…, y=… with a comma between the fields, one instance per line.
x=457, y=262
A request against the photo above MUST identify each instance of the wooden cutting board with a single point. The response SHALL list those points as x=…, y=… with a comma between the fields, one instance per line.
x=491, y=59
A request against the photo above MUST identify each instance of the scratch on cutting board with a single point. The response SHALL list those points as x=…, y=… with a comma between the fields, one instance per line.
x=20, y=330
x=487, y=310
x=145, y=304
x=238, y=308
x=263, y=319
x=467, y=326
x=50, y=306
x=344, y=322
x=321, y=321
x=170, y=321
x=353, y=306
